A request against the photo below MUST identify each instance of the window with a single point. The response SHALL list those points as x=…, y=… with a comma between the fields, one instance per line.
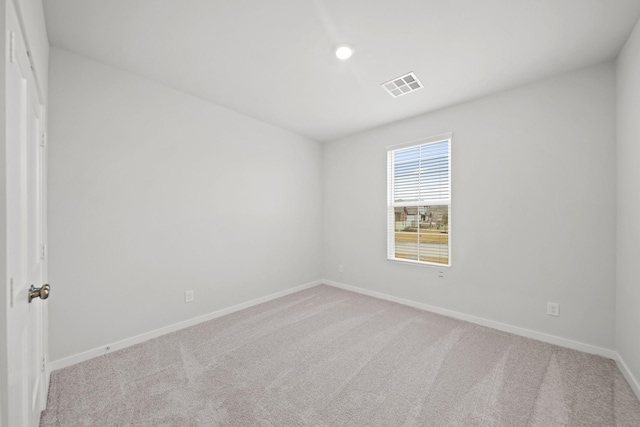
x=419, y=201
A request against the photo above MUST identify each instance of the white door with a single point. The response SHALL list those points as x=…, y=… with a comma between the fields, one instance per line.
x=27, y=378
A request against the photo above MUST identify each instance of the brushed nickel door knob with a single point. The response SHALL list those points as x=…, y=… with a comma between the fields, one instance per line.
x=42, y=293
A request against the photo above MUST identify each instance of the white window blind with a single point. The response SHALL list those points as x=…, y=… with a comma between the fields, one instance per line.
x=419, y=201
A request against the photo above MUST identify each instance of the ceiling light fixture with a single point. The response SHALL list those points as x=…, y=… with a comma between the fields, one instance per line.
x=343, y=52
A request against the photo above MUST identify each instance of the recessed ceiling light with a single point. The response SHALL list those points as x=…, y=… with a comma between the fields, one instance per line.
x=343, y=52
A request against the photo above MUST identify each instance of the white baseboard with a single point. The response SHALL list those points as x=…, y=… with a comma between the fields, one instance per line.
x=128, y=342
x=633, y=381
x=528, y=333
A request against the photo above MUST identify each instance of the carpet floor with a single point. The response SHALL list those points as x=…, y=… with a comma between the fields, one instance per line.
x=329, y=357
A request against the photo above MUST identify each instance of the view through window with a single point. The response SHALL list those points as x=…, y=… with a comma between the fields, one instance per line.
x=419, y=201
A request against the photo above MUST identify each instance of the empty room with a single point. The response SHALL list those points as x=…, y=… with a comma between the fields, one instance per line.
x=320, y=213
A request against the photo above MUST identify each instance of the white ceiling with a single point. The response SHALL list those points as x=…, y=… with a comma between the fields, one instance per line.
x=273, y=60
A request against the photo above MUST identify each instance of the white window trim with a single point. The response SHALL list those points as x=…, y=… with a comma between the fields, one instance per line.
x=390, y=202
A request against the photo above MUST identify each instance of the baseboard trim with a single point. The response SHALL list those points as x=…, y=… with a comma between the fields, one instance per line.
x=128, y=342
x=631, y=379
x=528, y=333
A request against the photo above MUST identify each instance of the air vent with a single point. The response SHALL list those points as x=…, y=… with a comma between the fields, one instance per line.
x=402, y=85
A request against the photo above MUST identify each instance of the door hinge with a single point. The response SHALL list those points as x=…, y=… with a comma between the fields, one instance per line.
x=44, y=362
x=11, y=292
x=43, y=141
x=12, y=47
x=43, y=253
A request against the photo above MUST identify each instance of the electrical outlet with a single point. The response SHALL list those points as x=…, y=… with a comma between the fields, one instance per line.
x=188, y=296
x=441, y=274
x=340, y=268
x=553, y=309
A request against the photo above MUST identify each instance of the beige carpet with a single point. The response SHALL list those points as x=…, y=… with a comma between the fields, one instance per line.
x=328, y=357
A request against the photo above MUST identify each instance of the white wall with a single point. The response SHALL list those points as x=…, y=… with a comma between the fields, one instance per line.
x=153, y=192
x=533, y=213
x=628, y=236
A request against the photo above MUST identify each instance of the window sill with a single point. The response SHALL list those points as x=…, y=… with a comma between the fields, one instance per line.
x=422, y=263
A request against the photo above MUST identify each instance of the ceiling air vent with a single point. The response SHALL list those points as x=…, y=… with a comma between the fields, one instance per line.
x=402, y=85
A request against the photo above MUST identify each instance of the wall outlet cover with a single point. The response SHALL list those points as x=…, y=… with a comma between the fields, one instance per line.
x=188, y=296
x=553, y=309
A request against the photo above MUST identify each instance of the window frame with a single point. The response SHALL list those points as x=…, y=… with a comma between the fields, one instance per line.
x=391, y=204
